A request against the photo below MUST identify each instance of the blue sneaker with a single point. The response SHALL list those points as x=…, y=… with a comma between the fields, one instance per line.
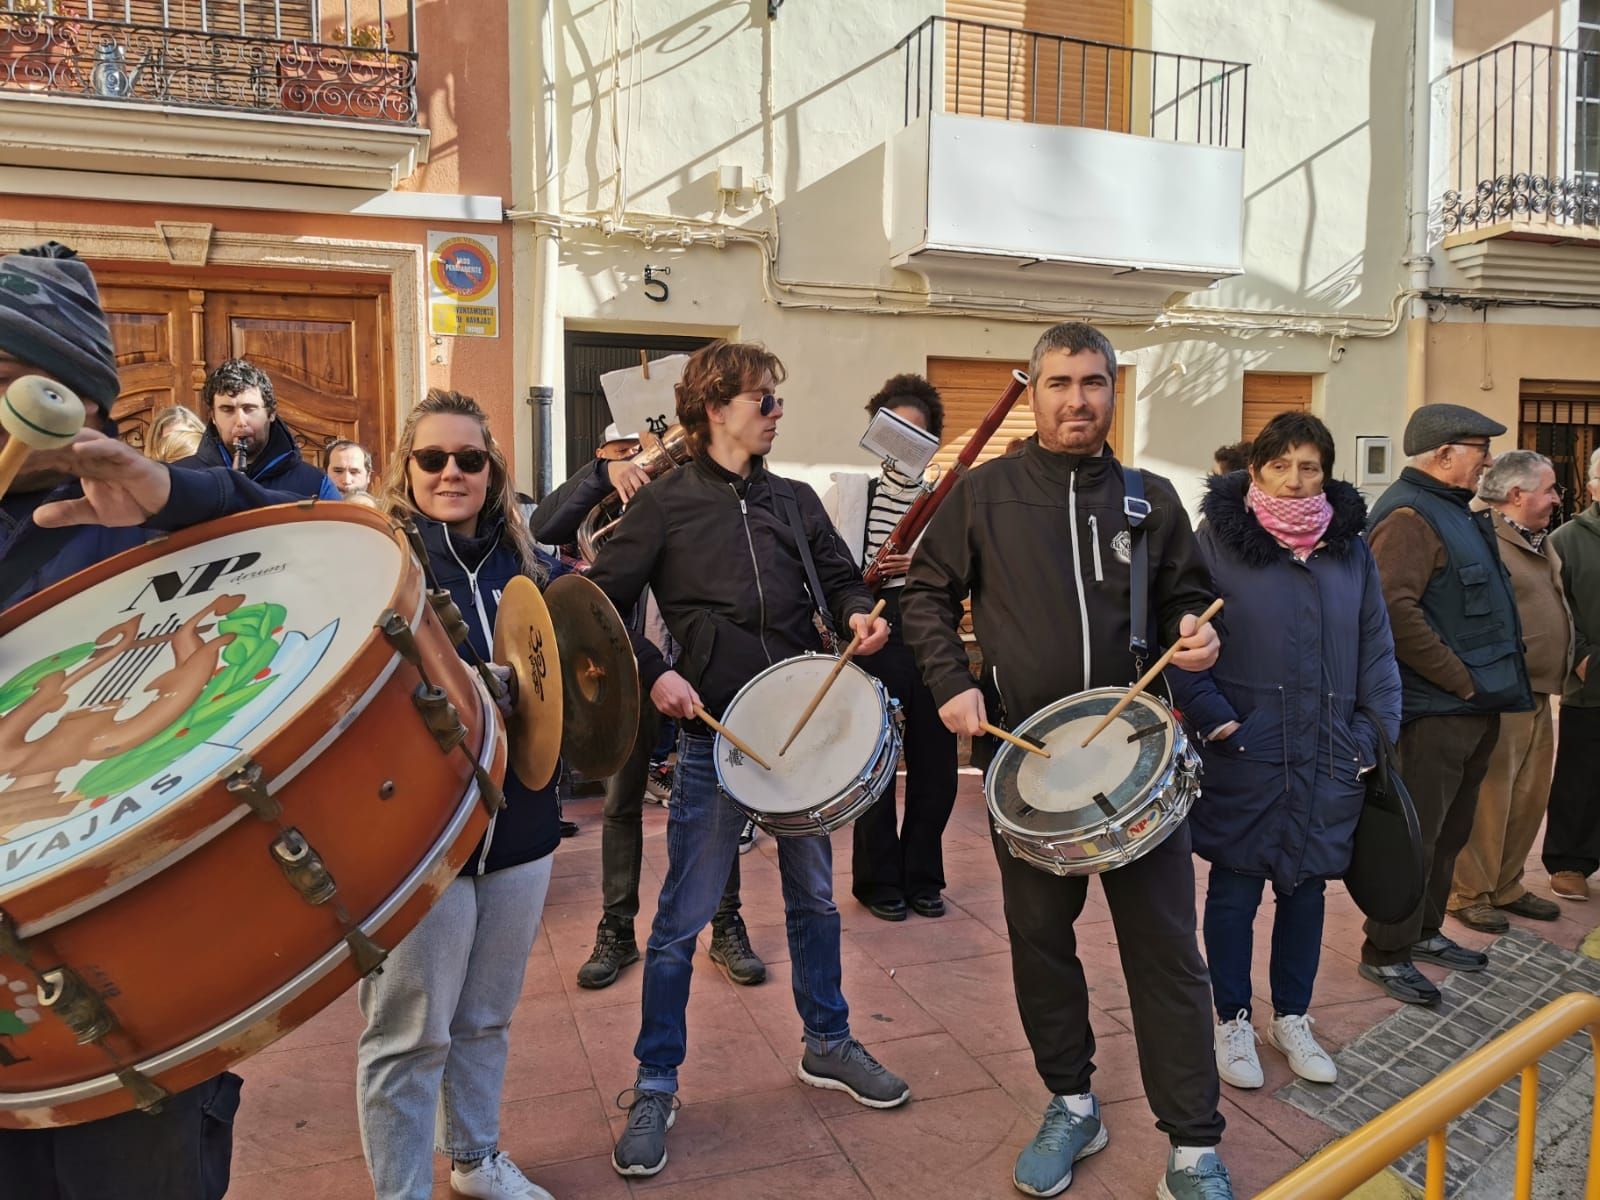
x=1208, y=1181
x=1044, y=1168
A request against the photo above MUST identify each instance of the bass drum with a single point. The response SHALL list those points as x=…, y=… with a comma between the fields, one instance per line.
x=236, y=766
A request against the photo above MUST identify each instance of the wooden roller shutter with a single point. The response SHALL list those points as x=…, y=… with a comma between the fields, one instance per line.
x=997, y=73
x=1266, y=395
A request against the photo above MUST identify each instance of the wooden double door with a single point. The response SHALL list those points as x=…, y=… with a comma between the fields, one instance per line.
x=325, y=347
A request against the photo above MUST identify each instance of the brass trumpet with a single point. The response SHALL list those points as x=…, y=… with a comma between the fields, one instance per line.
x=658, y=456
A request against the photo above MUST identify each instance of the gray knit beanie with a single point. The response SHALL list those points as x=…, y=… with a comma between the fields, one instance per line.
x=50, y=318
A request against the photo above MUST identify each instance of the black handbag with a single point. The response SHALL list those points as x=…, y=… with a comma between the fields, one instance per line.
x=1386, y=875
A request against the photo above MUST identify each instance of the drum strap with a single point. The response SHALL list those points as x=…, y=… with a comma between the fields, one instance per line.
x=791, y=512
x=1137, y=510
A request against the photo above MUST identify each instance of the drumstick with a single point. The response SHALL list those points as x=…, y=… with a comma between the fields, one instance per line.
x=1161, y=664
x=996, y=731
x=38, y=414
x=849, y=653
x=719, y=727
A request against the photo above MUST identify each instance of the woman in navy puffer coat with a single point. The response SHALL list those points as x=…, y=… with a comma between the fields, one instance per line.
x=1289, y=722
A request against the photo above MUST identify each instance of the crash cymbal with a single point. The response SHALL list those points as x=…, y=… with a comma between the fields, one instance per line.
x=599, y=676
x=525, y=641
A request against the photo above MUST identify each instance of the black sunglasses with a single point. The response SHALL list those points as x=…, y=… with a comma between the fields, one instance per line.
x=432, y=459
x=768, y=402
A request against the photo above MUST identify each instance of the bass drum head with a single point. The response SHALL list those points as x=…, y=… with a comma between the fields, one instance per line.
x=1057, y=796
x=833, y=751
x=123, y=693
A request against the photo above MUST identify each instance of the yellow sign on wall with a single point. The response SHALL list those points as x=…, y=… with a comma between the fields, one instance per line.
x=463, y=285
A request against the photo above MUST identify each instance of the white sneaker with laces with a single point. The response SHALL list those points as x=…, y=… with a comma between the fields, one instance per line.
x=1236, y=1052
x=496, y=1178
x=1306, y=1058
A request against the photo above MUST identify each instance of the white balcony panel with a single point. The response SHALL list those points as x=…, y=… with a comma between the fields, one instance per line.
x=973, y=197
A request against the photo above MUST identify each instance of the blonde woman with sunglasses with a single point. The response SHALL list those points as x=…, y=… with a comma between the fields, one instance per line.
x=431, y=1062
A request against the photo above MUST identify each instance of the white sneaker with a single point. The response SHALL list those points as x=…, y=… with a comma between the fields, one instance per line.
x=1308, y=1060
x=1236, y=1053
x=496, y=1178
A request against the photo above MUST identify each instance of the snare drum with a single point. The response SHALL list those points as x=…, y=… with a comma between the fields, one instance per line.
x=237, y=765
x=837, y=768
x=1088, y=809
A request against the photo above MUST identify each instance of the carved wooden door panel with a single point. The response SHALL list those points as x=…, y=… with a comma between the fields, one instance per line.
x=153, y=330
x=324, y=354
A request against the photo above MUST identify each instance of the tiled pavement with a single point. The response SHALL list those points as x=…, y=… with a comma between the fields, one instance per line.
x=932, y=998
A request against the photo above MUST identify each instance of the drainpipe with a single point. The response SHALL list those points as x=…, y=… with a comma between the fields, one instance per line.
x=1417, y=260
x=547, y=254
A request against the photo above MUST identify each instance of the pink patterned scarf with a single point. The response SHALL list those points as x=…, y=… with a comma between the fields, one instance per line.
x=1298, y=522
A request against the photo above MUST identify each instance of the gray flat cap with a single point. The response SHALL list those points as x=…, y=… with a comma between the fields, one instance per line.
x=1432, y=425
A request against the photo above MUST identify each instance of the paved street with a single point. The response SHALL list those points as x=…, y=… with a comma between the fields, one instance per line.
x=932, y=999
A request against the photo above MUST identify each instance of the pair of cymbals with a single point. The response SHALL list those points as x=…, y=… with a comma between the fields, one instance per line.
x=577, y=679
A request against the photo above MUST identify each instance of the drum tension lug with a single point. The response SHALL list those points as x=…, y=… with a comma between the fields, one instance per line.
x=303, y=867
x=449, y=614
x=439, y=715
x=367, y=955
x=63, y=991
x=148, y=1095
x=398, y=630
x=245, y=784
x=488, y=790
x=11, y=945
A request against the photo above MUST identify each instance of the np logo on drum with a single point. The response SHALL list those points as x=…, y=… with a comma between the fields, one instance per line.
x=169, y=585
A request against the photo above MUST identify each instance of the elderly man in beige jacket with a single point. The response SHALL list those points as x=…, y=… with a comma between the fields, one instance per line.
x=1521, y=490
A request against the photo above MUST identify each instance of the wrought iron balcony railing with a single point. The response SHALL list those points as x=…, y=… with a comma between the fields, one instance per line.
x=988, y=70
x=1524, y=138
x=266, y=56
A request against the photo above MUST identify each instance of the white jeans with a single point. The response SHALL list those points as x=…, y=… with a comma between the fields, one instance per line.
x=433, y=1055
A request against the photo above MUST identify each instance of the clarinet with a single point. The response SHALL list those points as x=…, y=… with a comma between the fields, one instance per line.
x=240, y=447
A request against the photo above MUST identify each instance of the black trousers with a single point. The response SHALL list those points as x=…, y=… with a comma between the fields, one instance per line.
x=184, y=1152
x=622, y=829
x=1152, y=908
x=1443, y=761
x=1572, y=825
x=890, y=863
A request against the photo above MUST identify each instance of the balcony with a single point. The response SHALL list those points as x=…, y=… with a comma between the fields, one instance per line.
x=1523, y=211
x=1045, y=164
x=232, y=89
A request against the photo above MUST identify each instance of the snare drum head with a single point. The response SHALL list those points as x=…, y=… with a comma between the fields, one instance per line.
x=1058, y=795
x=835, y=748
x=123, y=692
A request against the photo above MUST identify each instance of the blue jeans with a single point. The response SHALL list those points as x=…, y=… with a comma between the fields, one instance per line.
x=702, y=843
x=1231, y=903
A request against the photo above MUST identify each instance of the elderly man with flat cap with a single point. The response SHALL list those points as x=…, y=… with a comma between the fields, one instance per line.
x=1458, y=639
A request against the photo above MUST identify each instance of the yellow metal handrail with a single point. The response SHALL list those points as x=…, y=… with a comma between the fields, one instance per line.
x=1345, y=1165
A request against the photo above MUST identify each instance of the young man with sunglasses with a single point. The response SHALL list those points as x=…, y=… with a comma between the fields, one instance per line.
x=716, y=542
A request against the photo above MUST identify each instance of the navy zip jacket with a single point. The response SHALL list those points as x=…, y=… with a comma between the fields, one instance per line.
x=280, y=466
x=475, y=571
x=1308, y=670
x=197, y=495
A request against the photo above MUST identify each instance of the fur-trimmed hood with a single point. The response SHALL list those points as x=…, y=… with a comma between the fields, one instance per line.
x=1236, y=527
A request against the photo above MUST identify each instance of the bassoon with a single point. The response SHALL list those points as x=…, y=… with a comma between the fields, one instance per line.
x=916, y=518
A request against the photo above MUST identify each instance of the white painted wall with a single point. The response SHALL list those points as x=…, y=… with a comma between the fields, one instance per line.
x=810, y=103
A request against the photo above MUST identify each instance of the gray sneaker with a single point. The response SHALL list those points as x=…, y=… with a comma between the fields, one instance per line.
x=642, y=1148
x=731, y=950
x=847, y=1067
x=1208, y=1181
x=1044, y=1168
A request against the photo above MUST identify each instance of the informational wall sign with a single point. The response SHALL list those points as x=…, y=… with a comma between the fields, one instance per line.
x=464, y=285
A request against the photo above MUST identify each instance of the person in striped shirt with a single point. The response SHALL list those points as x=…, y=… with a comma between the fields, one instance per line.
x=898, y=866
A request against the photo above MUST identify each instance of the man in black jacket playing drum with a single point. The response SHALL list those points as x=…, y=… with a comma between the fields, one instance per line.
x=716, y=543
x=1039, y=540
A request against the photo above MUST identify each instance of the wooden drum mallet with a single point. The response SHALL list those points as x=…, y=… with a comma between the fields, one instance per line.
x=38, y=414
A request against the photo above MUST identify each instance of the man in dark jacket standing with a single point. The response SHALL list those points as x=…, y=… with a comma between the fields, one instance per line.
x=1572, y=832
x=1040, y=541
x=52, y=526
x=719, y=544
x=1459, y=642
x=242, y=413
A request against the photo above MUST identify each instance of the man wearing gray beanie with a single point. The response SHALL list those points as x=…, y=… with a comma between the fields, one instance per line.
x=1458, y=640
x=51, y=526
